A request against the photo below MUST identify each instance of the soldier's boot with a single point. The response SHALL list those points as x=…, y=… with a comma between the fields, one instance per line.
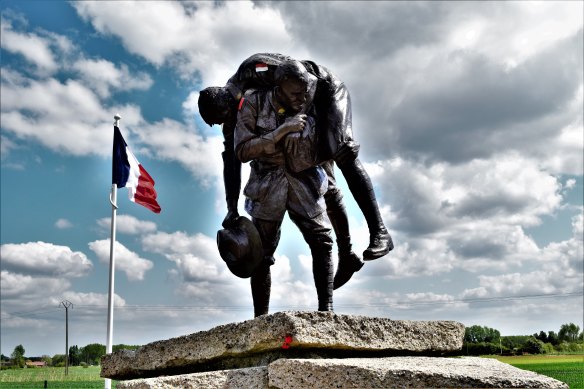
x=261, y=283
x=349, y=262
x=322, y=268
x=380, y=242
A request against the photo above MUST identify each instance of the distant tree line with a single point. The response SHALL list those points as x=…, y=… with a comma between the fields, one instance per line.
x=480, y=340
x=78, y=356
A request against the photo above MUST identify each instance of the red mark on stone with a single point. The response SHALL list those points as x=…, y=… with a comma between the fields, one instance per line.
x=287, y=341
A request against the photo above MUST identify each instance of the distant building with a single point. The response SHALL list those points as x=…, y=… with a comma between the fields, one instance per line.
x=36, y=364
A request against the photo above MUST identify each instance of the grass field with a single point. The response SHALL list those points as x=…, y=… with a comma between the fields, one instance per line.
x=78, y=378
x=565, y=368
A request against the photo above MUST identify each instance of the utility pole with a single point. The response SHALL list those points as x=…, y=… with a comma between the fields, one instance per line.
x=67, y=304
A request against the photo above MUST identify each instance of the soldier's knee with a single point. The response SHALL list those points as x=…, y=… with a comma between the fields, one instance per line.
x=333, y=196
x=320, y=243
x=347, y=153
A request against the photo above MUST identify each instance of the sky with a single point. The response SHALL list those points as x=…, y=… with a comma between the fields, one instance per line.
x=469, y=116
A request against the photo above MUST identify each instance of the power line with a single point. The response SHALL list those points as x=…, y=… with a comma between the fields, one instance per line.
x=398, y=304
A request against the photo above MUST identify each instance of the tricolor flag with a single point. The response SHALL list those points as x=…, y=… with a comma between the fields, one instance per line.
x=261, y=67
x=127, y=171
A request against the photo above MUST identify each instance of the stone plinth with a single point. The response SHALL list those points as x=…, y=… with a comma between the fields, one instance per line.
x=267, y=338
x=362, y=373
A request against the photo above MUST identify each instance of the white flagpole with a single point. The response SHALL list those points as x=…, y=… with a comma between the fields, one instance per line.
x=110, y=300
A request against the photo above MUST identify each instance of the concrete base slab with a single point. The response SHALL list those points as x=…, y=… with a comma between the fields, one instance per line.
x=362, y=373
x=267, y=338
x=410, y=372
x=248, y=378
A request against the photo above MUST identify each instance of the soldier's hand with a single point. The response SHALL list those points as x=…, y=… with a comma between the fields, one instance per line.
x=230, y=218
x=295, y=123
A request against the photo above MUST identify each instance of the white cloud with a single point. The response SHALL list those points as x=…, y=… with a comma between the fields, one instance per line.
x=523, y=30
x=578, y=224
x=570, y=183
x=104, y=77
x=127, y=224
x=66, y=117
x=88, y=304
x=127, y=261
x=27, y=287
x=192, y=39
x=44, y=259
x=469, y=216
x=292, y=290
x=521, y=284
x=32, y=47
x=191, y=105
x=560, y=270
x=63, y=224
x=508, y=189
x=201, y=272
x=173, y=141
x=6, y=145
x=78, y=125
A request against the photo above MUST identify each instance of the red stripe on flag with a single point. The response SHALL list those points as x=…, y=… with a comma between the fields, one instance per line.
x=145, y=193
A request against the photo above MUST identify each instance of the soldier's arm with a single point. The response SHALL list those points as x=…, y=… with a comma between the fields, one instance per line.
x=250, y=145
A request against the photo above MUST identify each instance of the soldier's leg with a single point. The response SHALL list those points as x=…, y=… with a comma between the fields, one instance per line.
x=317, y=234
x=380, y=242
x=349, y=262
x=261, y=279
x=340, y=139
x=231, y=175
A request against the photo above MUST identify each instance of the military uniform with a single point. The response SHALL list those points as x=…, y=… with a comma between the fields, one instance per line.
x=274, y=188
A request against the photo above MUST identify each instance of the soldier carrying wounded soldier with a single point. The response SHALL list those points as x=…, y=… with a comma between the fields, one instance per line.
x=294, y=121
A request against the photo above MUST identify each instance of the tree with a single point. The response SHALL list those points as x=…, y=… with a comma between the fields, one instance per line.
x=122, y=346
x=514, y=343
x=553, y=338
x=74, y=356
x=47, y=359
x=541, y=336
x=92, y=353
x=18, y=356
x=59, y=360
x=569, y=332
x=478, y=334
x=533, y=346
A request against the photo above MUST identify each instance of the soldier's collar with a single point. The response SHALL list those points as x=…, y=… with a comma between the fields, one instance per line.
x=278, y=108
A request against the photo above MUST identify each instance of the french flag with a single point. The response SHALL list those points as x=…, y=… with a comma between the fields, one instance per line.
x=127, y=171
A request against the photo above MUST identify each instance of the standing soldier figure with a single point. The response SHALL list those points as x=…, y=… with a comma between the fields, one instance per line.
x=331, y=100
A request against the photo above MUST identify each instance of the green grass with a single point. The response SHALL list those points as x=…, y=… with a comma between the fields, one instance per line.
x=78, y=378
x=565, y=368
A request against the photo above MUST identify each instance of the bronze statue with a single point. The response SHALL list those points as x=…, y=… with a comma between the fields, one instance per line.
x=331, y=101
x=279, y=140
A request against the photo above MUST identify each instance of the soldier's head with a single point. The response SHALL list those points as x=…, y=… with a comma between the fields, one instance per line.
x=292, y=81
x=216, y=104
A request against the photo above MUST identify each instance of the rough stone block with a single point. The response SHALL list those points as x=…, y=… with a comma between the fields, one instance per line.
x=247, y=378
x=262, y=340
x=394, y=372
x=402, y=372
